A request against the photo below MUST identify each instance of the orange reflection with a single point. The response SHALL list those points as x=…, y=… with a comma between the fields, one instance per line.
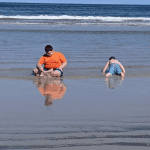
x=52, y=89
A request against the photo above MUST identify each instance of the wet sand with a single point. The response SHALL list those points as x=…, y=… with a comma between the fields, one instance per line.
x=87, y=113
x=75, y=73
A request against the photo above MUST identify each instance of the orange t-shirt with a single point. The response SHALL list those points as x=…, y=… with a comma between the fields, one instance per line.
x=53, y=61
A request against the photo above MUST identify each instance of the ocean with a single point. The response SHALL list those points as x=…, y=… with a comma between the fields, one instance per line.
x=83, y=110
x=86, y=34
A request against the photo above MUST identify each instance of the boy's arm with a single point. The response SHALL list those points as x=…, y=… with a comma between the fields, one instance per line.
x=39, y=66
x=123, y=69
x=63, y=65
x=40, y=63
x=105, y=67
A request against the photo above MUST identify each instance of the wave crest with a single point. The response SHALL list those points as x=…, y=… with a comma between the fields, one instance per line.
x=66, y=17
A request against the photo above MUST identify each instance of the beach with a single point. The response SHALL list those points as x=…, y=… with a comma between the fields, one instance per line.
x=88, y=115
x=83, y=109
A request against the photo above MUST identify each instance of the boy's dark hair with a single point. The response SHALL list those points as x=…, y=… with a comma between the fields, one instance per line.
x=48, y=48
x=112, y=57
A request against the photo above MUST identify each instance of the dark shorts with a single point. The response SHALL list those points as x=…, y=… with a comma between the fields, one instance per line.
x=61, y=73
x=114, y=68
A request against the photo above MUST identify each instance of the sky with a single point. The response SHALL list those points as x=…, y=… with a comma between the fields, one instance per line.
x=143, y=2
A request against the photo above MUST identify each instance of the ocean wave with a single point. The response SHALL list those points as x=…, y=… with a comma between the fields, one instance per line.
x=66, y=17
x=74, y=23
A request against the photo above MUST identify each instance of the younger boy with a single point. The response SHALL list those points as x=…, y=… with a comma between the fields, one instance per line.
x=115, y=67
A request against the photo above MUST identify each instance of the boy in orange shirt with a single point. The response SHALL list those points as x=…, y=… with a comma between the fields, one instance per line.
x=54, y=62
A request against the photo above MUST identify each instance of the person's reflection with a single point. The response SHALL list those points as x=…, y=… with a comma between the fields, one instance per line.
x=113, y=82
x=52, y=89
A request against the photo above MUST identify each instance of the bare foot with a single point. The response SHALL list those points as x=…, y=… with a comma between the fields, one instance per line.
x=42, y=74
x=49, y=72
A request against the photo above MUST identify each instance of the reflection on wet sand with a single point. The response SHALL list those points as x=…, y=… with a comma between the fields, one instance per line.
x=51, y=88
x=113, y=82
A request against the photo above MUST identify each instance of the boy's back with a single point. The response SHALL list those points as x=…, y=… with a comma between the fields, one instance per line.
x=113, y=61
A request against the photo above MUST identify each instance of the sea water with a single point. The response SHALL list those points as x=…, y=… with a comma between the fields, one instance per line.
x=86, y=34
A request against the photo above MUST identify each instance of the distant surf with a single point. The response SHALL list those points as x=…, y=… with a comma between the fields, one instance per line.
x=81, y=20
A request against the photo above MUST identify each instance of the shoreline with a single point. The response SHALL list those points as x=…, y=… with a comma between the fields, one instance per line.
x=75, y=73
x=73, y=77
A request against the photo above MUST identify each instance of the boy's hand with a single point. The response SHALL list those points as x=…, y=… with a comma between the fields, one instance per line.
x=44, y=71
x=103, y=73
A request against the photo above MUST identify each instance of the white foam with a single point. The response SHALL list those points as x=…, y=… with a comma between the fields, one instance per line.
x=65, y=17
x=60, y=23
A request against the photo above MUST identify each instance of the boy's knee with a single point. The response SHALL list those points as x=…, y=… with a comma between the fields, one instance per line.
x=56, y=73
x=122, y=74
x=108, y=74
x=35, y=71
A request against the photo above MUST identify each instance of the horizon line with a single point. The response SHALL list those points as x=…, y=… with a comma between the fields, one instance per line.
x=72, y=3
